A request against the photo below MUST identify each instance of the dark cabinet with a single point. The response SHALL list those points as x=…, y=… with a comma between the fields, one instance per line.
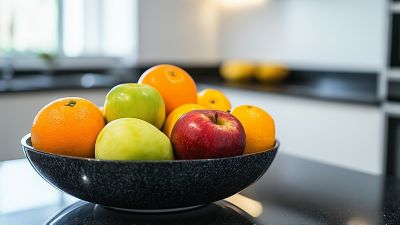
x=393, y=145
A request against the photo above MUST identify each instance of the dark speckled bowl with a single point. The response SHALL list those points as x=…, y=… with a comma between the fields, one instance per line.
x=149, y=186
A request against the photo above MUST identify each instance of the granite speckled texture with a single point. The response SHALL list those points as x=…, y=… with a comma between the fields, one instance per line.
x=149, y=185
x=221, y=213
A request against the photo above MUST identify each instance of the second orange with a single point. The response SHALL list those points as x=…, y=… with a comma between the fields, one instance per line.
x=174, y=84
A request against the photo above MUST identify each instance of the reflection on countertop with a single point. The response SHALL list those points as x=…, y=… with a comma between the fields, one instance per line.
x=217, y=213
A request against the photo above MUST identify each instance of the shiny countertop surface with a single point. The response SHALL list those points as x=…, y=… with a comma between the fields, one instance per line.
x=293, y=191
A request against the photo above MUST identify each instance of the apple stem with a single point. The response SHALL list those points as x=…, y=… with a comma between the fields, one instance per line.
x=216, y=118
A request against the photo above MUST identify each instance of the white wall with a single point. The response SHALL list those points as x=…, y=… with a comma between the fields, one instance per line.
x=182, y=31
x=344, y=34
x=324, y=33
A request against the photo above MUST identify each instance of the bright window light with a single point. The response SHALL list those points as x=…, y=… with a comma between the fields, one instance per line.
x=93, y=28
x=73, y=27
x=99, y=28
x=117, y=39
x=240, y=4
x=28, y=26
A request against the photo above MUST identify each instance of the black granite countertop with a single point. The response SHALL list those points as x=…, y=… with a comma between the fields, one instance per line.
x=330, y=86
x=352, y=87
x=293, y=191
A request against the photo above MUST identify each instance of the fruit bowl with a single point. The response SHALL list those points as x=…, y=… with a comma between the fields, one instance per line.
x=149, y=186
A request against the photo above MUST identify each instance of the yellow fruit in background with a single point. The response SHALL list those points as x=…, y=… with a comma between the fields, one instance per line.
x=237, y=70
x=213, y=99
x=258, y=126
x=176, y=114
x=271, y=72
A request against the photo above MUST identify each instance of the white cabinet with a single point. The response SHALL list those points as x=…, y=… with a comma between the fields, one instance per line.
x=341, y=134
x=17, y=111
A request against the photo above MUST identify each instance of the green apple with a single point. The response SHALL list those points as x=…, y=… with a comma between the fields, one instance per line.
x=132, y=139
x=133, y=100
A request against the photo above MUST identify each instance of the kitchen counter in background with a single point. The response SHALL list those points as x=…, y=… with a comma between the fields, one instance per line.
x=333, y=86
x=293, y=191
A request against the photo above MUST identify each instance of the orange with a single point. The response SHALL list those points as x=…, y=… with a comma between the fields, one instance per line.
x=67, y=126
x=173, y=117
x=174, y=84
x=258, y=126
x=213, y=99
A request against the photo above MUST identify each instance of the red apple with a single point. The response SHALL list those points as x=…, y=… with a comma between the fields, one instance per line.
x=204, y=134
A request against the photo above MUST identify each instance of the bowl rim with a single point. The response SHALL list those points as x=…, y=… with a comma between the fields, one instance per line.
x=27, y=137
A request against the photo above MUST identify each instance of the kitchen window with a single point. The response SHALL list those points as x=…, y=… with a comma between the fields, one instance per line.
x=68, y=28
x=28, y=27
